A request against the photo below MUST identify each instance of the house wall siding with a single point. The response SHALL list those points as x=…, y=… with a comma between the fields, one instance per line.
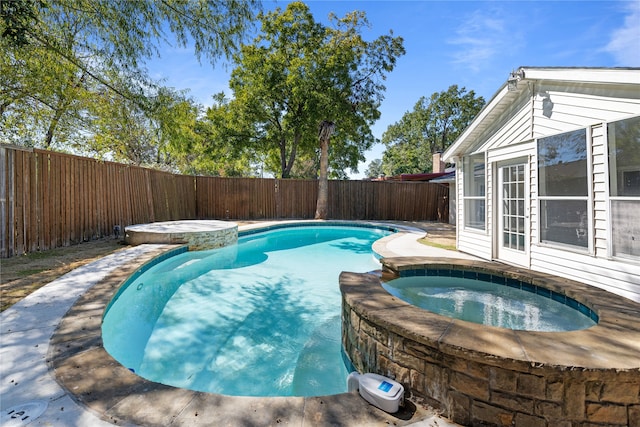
x=514, y=126
x=617, y=277
x=579, y=106
x=599, y=173
x=596, y=268
x=513, y=135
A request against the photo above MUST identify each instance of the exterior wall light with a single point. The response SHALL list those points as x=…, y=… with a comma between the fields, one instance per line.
x=514, y=78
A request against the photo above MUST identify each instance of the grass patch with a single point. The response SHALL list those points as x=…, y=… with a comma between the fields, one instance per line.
x=24, y=273
x=34, y=256
x=427, y=242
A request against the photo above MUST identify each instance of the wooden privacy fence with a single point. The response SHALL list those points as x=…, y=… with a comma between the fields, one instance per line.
x=49, y=199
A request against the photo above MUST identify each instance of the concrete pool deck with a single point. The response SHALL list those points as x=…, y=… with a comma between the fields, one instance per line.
x=52, y=333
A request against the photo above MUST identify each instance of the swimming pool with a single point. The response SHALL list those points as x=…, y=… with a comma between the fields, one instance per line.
x=260, y=318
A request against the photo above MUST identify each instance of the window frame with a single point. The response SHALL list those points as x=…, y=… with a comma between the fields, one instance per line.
x=587, y=199
x=468, y=179
x=612, y=180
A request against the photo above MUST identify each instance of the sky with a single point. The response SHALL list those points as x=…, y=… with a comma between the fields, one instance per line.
x=473, y=44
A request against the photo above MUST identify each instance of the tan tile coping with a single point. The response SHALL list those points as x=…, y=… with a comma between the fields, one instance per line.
x=93, y=378
x=430, y=353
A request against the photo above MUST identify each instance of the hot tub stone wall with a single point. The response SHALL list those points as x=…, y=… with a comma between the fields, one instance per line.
x=197, y=240
x=440, y=364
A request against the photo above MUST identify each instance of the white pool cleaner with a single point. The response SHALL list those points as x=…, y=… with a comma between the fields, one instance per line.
x=380, y=391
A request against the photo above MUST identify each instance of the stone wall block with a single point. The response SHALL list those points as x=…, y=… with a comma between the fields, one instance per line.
x=485, y=414
x=593, y=390
x=548, y=410
x=502, y=379
x=607, y=413
x=379, y=334
x=369, y=351
x=474, y=387
x=555, y=390
x=417, y=380
x=509, y=401
x=623, y=392
x=634, y=415
x=408, y=360
x=531, y=385
x=382, y=350
x=574, y=405
x=457, y=408
x=436, y=382
x=354, y=321
x=357, y=359
x=478, y=370
x=524, y=420
x=458, y=364
x=429, y=354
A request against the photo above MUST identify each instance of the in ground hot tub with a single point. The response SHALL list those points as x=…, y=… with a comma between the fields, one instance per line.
x=479, y=374
x=198, y=234
x=491, y=299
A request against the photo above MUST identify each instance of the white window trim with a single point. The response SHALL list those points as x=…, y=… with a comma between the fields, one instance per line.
x=611, y=199
x=589, y=250
x=485, y=229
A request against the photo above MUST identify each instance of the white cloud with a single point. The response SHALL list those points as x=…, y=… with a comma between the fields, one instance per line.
x=481, y=37
x=624, y=44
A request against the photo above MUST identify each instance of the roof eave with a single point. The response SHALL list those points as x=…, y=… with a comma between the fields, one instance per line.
x=463, y=141
x=506, y=94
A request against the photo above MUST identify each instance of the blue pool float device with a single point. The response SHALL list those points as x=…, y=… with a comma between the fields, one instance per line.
x=380, y=391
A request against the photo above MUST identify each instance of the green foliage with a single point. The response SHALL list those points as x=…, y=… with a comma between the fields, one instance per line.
x=296, y=74
x=213, y=151
x=72, y=76
x=374, y=170
x=16, y=17
x=432, y=126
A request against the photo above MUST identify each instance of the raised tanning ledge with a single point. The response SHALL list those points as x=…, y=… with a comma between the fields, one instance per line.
x=479, y=374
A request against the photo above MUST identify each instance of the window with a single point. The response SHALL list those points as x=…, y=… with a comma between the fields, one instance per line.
x=624, y=186
x=474, y=192
x=563, y=188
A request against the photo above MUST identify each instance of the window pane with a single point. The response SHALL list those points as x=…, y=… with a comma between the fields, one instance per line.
x=562, y=164
x=624, y=157
x=564, y=221
x=626, y=228
x=474, y=192
x=474, y=176
x=474, y=213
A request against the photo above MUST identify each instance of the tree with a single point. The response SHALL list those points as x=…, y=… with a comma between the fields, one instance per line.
x=214, y=151
x=432, y=126
x=374, y=170
x=298, y=73
x=129, y=31
x=72, y=70
x=325, y=132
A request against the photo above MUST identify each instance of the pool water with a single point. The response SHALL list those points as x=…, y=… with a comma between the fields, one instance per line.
x=260, y=318
x=487, y=303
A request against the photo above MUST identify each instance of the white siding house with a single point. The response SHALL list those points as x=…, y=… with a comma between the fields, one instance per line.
x=548, y=176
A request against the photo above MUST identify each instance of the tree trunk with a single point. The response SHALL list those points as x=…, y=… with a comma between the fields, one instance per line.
x=326, y=129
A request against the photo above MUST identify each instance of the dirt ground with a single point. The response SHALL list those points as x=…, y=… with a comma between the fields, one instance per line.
x=21, y=275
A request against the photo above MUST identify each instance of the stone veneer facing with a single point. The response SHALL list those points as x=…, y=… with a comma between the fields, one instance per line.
x=198, y=235
x=482, y=375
